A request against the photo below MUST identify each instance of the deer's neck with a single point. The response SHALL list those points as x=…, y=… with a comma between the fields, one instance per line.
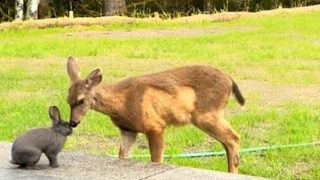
x=107, y=100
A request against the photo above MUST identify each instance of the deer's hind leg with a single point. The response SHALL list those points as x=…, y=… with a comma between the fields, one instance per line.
x=128, y=138
x=215, y=126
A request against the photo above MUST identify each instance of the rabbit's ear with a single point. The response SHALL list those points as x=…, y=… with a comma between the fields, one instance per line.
x=54, y=113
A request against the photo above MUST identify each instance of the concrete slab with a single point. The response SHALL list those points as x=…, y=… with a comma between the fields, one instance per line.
x=82, y=166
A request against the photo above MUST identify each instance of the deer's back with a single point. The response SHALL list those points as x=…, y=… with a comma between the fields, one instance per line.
x=172, y=96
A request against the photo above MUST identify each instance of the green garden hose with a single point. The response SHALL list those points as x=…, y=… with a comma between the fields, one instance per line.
x=222, y=153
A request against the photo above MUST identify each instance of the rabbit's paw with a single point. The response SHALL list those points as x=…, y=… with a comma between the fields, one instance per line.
x=54, y=165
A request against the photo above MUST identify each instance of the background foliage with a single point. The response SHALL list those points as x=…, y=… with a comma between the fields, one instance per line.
x=166, y=8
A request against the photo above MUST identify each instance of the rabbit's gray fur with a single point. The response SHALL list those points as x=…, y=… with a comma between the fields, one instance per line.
x=27, y=149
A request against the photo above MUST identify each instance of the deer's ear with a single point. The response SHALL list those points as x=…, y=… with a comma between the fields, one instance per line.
x=54, y=113
x=94, y=78
x=73, y=69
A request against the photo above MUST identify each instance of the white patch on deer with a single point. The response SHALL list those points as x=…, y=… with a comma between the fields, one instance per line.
x=80, y=97
x=174, y=109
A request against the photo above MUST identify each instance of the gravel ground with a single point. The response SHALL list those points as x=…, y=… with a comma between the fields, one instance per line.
x=81, y=166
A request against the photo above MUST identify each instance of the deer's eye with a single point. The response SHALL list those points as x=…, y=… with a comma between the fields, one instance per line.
x=80, y=102
x=77, y=103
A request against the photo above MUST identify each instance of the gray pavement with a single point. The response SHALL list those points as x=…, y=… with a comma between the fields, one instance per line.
x=82, y=166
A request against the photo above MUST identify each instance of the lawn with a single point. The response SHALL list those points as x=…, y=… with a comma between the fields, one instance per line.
x=274, y=59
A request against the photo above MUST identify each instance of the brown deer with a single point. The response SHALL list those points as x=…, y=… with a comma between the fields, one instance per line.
x=149, y=103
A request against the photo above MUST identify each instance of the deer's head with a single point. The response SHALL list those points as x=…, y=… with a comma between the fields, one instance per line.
x=81, y=91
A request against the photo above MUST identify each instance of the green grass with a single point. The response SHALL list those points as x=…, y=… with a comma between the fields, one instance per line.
x=275, y=60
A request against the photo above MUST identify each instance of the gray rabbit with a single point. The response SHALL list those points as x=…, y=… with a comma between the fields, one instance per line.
x=27, y=149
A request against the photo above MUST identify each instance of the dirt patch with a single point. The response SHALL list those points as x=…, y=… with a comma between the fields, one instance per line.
x=273, y=95
x=301, y=168
x=93, y=143
x=156, y=33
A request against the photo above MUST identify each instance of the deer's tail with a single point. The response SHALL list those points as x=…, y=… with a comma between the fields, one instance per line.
x=237, y=94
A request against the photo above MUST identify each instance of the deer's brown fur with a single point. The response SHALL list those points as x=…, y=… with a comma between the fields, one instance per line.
x=148, y=104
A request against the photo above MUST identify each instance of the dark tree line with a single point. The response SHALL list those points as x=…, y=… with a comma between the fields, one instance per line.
x=7, y=10
x=96, y=8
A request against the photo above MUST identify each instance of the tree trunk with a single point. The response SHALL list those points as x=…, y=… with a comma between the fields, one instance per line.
x=114, y=7
x=43, y=9
x=32, y=12
x=207, y=6
x=19, y=10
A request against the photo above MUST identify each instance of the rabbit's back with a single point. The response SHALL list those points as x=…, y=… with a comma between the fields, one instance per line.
x=41, y=138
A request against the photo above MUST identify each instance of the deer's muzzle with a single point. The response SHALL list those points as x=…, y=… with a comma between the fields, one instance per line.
x=73, y=124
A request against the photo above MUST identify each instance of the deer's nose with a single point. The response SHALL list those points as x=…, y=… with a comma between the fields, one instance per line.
x=73, y=124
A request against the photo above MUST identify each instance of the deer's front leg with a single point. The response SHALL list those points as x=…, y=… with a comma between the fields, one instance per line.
x=128, y=138
x=156, y=144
